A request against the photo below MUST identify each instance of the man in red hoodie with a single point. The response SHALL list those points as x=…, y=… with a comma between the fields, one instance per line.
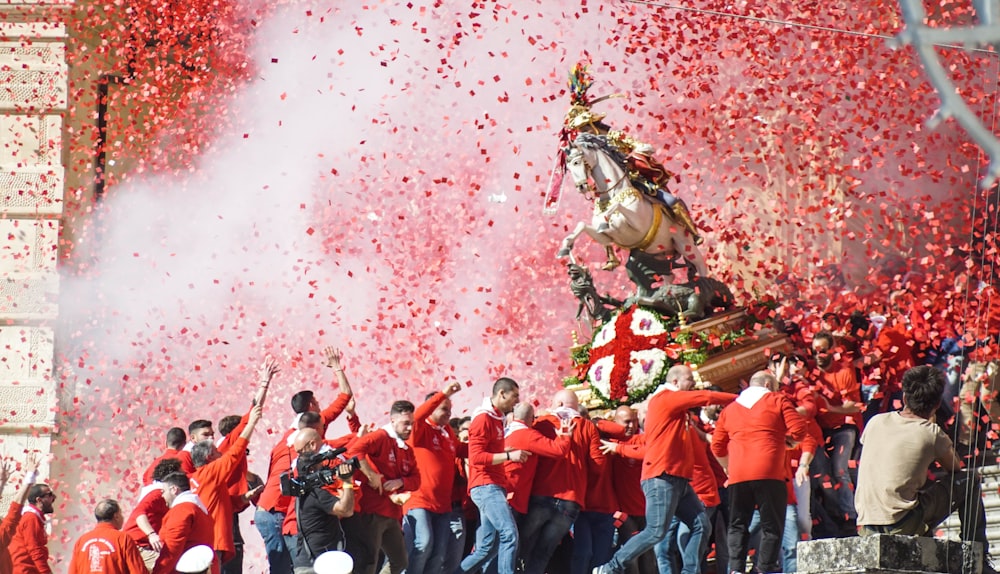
x=8, y=526
x=392, y=474
x=186, y=525
x=273, y=506
x=750, y=440
x=496, y=536
x=669, y=464
x=29, y=552
x=106, y=549
x=176, y=438
x=427, y=524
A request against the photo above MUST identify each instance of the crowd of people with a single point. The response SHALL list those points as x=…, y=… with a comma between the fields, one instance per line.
x=690, y=477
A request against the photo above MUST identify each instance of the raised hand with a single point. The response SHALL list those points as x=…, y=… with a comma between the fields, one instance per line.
x=451, y=388
x=333, y=357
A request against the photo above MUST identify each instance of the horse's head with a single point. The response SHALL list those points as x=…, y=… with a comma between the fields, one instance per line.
x=576, y=164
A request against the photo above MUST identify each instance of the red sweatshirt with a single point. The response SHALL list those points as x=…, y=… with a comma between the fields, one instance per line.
x=211, y=484
x=187, y=467
x=434, y=448
x=106, y=550
x=185, y=526
x=29, y=551
x=753, y=437
x=7, y=529
x=626, y=470
x=271, y=498
x=838, y=386
x=566, y=477
x=520, y=475
x=669, y=449
x=485, y=440
x=703, y=480
x=152, y=504
x=392, y=461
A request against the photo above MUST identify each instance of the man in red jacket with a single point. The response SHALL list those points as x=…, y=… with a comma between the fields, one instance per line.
x=562, y=489
x=427, y=524
x=750, y=441
x=29, y=552
x=496, y=537
x=392, y=474
x=669, y=464
x=175, y=449
x=521, y=436
x=273, y=506
x=186, y=525
x=8, y=526
x=106, y=549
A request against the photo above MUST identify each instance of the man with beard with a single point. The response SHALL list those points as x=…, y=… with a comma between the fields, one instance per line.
x=378, y=525
x=29, y=551
x=839, y=399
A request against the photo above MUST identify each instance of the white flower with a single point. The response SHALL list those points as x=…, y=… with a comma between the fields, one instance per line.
x=605, y=335
x=644, y=368
x=600, y=374
x=646, y=323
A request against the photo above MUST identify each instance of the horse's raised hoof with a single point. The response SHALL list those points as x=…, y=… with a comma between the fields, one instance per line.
x=603, y=227
x=698, y=240
x=563, y=253
x=611, y=265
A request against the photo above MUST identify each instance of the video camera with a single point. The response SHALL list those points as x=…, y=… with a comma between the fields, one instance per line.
x=306, y=482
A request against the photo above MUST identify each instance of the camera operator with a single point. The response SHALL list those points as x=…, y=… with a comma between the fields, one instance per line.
x=319, y=509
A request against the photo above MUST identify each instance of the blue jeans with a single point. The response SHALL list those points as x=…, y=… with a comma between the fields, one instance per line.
x=842, y=442
x=497, y=532
x=688, y=539
x=789, y=539
x=547, y=522
x=593, y=539
x=666, y=495
x=269, y=526
x=426, y=536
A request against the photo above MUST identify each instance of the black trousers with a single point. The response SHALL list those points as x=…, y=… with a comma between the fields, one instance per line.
x=770, y=497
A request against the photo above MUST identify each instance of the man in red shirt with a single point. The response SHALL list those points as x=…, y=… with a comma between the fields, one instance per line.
x=427, y=524
x=560, y=493
x=839, y=401
x=144, y=524
x=521, y=436
x=669, y=464
x=29, y=552
x=186, y=525
x=272, y=505
x=625, y=441
x=750, y=440
x=496, y=536
x=106, y=549
x=175, y=449
x=8, y=526
x=392, y=474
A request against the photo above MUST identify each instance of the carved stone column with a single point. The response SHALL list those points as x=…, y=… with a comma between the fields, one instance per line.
x=33, y=97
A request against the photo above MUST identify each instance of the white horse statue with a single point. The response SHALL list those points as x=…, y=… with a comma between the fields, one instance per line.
x=623, y=215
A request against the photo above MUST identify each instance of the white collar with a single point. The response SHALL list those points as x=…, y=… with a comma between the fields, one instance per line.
x=750, y=395
x=392, y=433
x=191, y=498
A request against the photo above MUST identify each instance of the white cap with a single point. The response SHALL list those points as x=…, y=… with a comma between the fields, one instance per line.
x=334, y=562
x=195, y=560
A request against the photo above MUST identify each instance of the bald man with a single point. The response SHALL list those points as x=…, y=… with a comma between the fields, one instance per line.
x=559, y=490
x=668, y=466
x=106, y=549
x=750, y=440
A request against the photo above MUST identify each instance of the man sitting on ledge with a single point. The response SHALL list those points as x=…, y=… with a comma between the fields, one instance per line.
x=894, y=494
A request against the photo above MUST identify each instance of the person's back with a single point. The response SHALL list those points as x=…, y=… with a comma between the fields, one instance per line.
x=106, y=549
x=894, y=495
x=897, y=452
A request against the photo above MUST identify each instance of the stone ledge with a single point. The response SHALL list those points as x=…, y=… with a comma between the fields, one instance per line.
x=885, y=554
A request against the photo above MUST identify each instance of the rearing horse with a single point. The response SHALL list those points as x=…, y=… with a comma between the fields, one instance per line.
x=623, y=215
